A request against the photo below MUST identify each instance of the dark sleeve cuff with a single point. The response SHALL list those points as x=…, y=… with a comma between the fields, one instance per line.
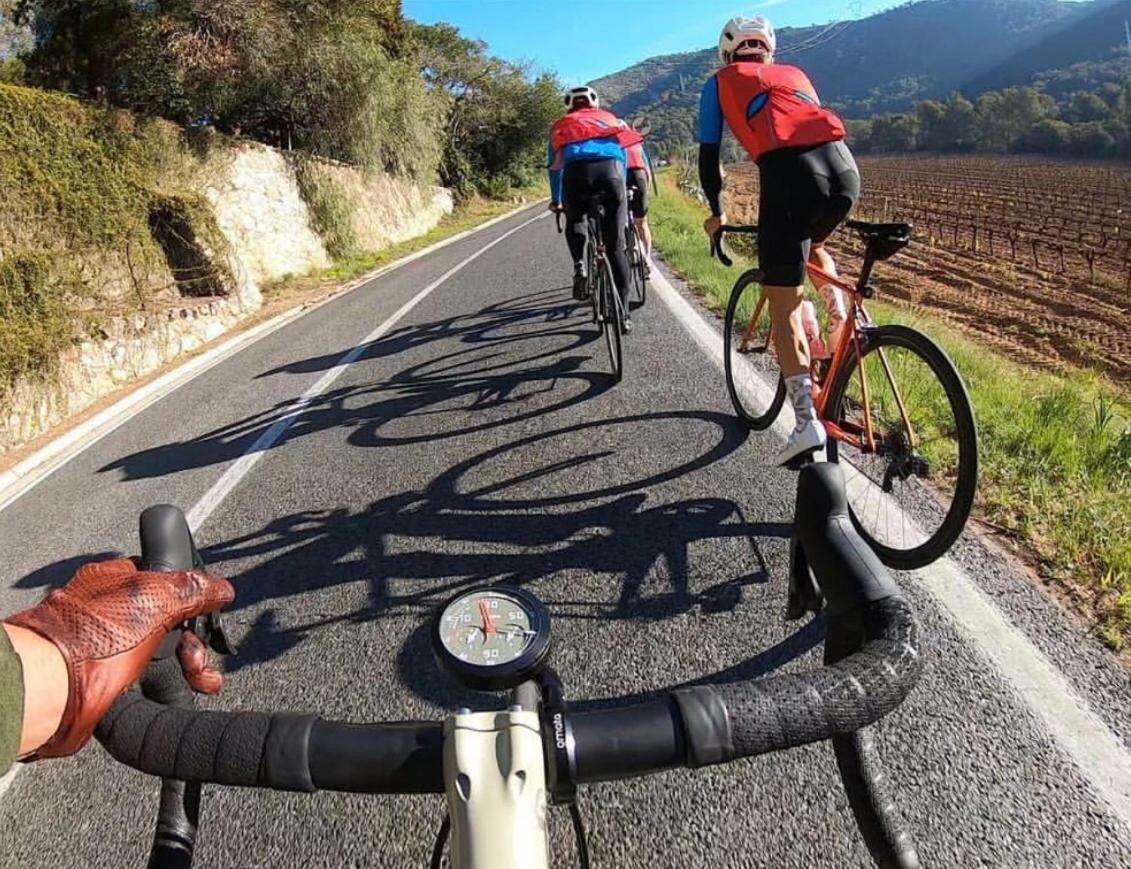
x=711, y=177
x=11, y=702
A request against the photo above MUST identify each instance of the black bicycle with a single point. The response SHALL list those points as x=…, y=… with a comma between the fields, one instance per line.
x=604, y=300
x=637, y=265
x=500, y=767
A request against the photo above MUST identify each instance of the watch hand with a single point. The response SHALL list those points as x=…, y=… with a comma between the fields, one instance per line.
x=488, y=625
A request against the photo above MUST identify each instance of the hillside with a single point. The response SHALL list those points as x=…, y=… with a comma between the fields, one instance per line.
x=1090, y=40
x=886, y=61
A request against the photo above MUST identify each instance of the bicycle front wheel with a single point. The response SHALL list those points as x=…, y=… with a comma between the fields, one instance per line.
x=910, y=493
x=636, y=266
x=754, y=379
x=613, y=316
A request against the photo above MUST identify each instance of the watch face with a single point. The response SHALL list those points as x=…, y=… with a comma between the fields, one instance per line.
x=492, y=637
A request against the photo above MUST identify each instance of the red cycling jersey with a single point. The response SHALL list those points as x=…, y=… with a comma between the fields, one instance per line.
x=636, y=158
x=586, y=124
x=771, y=106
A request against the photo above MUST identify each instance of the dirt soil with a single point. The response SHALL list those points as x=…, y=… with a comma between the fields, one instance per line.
x=1032, y=257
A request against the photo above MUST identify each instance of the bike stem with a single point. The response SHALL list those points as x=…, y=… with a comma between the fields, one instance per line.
x=495, y=781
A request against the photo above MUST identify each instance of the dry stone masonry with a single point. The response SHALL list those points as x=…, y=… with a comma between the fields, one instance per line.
x=267, y=225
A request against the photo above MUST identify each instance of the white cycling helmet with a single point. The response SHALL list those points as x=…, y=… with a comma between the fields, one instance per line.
x=739, y=30
x=585, y=92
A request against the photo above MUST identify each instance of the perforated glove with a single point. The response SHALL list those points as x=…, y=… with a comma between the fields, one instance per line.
x=107, y=622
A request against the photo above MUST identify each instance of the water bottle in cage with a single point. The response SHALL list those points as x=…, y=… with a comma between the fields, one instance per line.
x=812, y=331
x=834, y=303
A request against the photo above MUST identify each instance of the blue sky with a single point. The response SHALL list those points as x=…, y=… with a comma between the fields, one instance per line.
x=581, y=40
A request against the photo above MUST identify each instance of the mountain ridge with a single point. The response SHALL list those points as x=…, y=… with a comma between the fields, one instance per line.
x=885, y=62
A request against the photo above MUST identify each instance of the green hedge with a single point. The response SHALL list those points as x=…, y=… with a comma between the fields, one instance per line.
x=80, y=186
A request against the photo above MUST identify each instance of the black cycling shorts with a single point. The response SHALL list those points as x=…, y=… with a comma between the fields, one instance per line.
x=805, y=193
x=638, y=181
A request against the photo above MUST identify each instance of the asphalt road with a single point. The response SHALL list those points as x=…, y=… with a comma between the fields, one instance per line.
x=480, y=439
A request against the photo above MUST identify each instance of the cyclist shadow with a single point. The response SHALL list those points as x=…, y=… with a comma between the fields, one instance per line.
x=468, y=527
x=58, y=572
x=491, y=369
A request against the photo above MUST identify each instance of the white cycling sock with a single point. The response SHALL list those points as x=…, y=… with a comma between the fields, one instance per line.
x=800, y=389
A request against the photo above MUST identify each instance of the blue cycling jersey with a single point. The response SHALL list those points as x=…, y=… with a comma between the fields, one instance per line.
x=590, y=149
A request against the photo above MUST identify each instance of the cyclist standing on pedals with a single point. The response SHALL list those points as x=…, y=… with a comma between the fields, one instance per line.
x=639, y=176
x=587, y=160
x=808, y=184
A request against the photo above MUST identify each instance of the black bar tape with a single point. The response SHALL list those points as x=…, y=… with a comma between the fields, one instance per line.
x=707, y=725
x=227, y=748
x=787, y=711
x=286, y=758
x=395, y=758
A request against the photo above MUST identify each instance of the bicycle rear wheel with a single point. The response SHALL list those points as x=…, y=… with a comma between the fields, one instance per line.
x=754, y=379
x=613, y=316
x=911, y=496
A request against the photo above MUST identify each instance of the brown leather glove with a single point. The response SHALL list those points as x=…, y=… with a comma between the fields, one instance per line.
x=107, y=622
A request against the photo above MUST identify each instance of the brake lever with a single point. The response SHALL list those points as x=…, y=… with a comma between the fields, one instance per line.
x=717, y=249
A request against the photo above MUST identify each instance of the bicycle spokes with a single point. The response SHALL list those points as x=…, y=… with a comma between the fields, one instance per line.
x=904, y=437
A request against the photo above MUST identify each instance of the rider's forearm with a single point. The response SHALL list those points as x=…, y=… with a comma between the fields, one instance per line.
x=44, y=686
x=710, y=177
x=11, y=702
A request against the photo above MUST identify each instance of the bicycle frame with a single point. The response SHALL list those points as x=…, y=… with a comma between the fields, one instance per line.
x=860, y=437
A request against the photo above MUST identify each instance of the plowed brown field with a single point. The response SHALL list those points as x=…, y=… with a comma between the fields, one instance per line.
x=1031, y=256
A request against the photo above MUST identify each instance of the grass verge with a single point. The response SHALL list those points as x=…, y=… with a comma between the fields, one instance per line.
x=466, y=216
x=1055, y=449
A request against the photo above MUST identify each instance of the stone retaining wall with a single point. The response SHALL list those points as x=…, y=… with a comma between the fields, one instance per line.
x=264, y=219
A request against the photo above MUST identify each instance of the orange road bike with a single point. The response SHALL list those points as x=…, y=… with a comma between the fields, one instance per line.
x=895, y=409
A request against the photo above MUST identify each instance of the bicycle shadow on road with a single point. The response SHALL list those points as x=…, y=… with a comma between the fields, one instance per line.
x=492, y=370
x=413, y=549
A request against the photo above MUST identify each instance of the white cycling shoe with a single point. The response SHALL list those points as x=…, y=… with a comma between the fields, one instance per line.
x=806, y=438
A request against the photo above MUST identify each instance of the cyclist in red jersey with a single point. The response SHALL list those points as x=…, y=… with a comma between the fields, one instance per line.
x=808, y=184
x=586, y=162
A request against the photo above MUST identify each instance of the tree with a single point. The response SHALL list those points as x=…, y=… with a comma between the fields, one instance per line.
x=893, y=133
x=1083, y=107
x=1091, y=140
x=934, y=134
x=1047, y=136
x=1005, y=116
x=495, y=118
x=958, y=131
x=335, y=77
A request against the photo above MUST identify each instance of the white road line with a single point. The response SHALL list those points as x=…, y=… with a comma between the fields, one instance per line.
x=134, y=403
x=24, y=476
x=1099, y=754
x=237, y=471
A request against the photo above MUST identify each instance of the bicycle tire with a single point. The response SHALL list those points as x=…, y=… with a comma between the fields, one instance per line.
x=757, y=420
x=591, y=242
x=966, y=477
x=613, y=317
x=635, y=265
